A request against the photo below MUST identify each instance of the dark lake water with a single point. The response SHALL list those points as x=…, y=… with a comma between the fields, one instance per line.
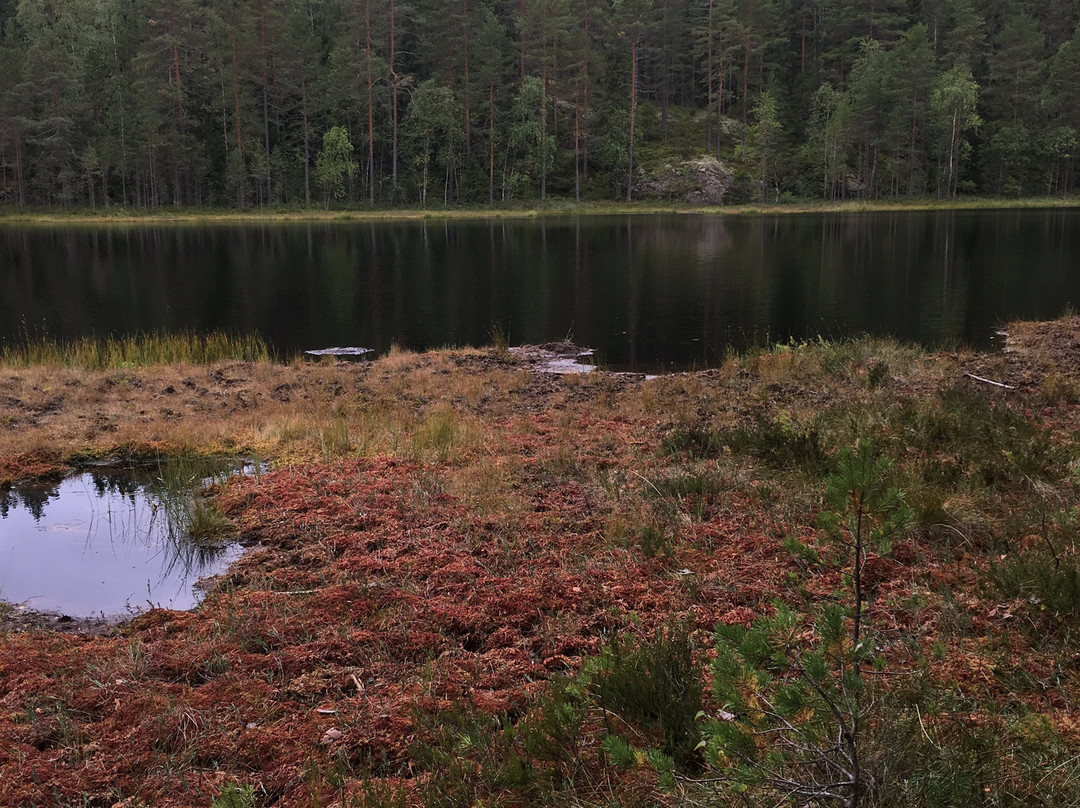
x=649, y=292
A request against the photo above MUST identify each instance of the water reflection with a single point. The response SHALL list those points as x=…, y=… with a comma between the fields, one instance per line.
x=109, y=541
x=648, y=291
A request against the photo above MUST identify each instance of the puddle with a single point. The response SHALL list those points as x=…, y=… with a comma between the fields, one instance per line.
x=104, y=543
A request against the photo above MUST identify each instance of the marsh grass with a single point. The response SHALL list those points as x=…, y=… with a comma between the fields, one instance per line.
x=334, y=439
x=154, y=348
x=697, y=441
x=235, y=796
x=442, y=435
x=674, y=480
x=195, y=527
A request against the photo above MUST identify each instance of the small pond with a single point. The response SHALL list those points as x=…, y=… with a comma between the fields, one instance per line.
x=107, y=542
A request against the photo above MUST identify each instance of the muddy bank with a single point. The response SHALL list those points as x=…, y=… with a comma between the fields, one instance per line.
x=15, y=618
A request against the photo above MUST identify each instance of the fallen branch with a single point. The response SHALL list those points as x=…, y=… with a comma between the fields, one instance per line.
x=989, y=381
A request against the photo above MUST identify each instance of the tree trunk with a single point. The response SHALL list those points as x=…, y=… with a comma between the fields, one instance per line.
x=465, y=40
x=176, y=66
x=585, y=145
x=307, y=143
x=543, y=123
x=719, y=95
x=802, y=46
x=633, y=115
x=370, y=106
x=20, y=184
x=911, y=152
x=236, y=100
x=745, y=85
x=585, y=111
x=393, y=108
x=952, y=156
x=577, y=148
x=265, y=97
x=709, y=79
x=521, y=40
x=491, y=144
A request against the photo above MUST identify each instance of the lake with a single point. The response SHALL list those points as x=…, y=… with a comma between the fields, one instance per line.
x=650, y=293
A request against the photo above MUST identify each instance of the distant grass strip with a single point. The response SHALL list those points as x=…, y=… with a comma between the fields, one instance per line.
x=526, y=210
x=156, y=348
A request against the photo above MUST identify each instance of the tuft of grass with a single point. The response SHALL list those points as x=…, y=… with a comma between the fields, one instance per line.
x=695, y=495
x=654, y=542
x=705, y=485
x=967, y=438
x=500, y=340
x=439, y=435
x=1057, y=388
x=1050, y=584
x=698, y=442
x=782, y=444
x=195, y=525
x=154, y=348
x=334, y=440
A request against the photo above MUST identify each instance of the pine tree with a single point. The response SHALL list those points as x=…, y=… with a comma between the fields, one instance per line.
x=796, y=716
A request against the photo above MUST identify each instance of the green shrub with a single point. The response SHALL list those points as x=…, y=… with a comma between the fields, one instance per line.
x=1034, y=575
x=235, y=796
x=782, y=444
x=698, y=492
x=973, y=442
x=945, y=755
x=655, y=688
x=704, y=485
x=698, y=442
x=470, y=756
x=655, y=542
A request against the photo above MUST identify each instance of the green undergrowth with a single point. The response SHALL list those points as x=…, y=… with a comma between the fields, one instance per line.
x=154, y=348
x=818, y=702
x=634, y=703
x=976, y=468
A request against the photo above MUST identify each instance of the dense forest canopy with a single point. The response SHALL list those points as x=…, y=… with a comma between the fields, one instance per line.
x=150, y=103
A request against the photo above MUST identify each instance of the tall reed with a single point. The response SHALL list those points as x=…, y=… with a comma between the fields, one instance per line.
x=152, y=348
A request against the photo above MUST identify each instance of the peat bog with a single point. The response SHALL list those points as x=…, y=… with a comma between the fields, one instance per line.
x=472, y=583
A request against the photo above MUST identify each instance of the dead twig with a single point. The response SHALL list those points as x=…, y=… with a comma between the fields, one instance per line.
x=989, y=381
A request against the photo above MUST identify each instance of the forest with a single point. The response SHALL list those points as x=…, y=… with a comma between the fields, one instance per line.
x=430, y=103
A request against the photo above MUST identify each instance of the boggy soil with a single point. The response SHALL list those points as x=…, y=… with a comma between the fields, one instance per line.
x=443, y=535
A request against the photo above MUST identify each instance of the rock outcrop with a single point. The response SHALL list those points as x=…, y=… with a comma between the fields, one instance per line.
x=701, y=181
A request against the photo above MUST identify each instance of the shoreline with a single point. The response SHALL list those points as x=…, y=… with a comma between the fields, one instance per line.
x=555, y=209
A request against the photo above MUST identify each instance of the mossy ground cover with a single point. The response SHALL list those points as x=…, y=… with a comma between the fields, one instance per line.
x=473, y=584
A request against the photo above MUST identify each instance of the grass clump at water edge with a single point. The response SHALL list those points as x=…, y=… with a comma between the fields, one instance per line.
x=153, y=348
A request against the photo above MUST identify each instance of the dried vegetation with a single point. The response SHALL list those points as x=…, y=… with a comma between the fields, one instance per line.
x=477, y=585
